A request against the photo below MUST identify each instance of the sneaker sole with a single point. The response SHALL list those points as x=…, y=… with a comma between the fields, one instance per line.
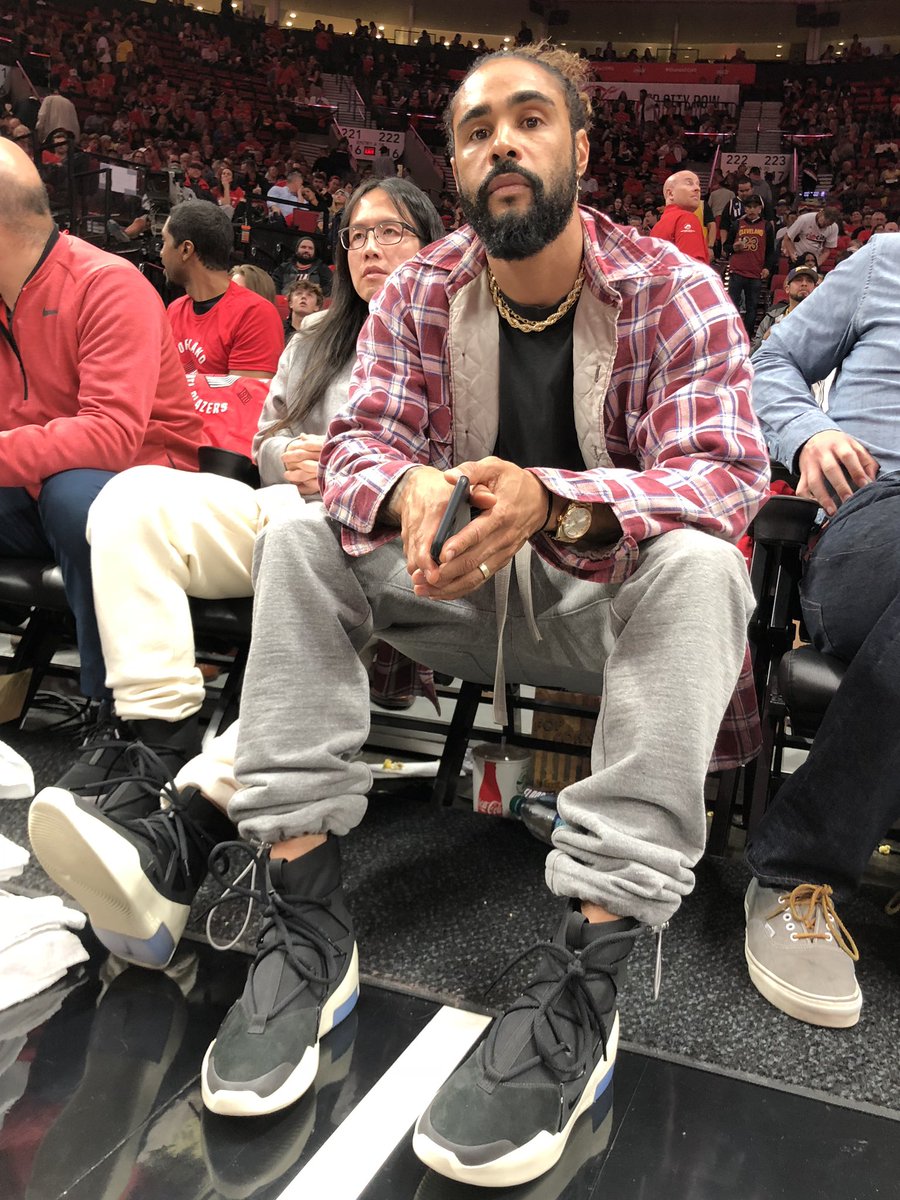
x=803, y=1006
x=245, y=1103
x=101, y=870
x=535, y=1157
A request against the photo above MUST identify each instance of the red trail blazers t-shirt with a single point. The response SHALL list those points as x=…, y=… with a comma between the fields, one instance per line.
x=241, y=332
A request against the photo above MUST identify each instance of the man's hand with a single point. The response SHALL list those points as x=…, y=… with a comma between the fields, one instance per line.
x=417, y=505
x=514, y=508
x=301, y=463
x=764, y=273
x=826, y=456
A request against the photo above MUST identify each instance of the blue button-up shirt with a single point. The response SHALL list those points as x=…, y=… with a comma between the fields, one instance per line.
x=851, y=324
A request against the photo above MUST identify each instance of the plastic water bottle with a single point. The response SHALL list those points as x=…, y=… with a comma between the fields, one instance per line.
x=539, y=816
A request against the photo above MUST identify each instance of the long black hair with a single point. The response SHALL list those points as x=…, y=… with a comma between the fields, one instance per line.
x=332, y=340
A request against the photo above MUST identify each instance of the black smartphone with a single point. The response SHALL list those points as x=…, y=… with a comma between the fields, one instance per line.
x=456, y=515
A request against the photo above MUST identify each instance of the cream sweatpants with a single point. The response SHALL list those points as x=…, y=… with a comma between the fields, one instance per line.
x=159, y=536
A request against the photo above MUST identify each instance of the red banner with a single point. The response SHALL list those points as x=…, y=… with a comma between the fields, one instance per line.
x=639, y=72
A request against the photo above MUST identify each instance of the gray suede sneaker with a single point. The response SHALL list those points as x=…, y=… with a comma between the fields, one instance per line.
x=303, y=982
x=505, y=1115
x=800, y=955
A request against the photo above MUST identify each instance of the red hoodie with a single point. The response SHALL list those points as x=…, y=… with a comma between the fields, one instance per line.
x=89, y=373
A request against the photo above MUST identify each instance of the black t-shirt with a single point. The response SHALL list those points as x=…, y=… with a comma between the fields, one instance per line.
x=202, y=307
x=537, y=412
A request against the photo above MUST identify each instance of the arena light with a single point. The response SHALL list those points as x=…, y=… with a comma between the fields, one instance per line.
x=778, y=56
x=289, y=24
x=507, y=41
x=293, y=16
x=381, y=27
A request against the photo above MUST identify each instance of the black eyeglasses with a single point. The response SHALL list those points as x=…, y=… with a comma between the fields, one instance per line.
x=387, y=233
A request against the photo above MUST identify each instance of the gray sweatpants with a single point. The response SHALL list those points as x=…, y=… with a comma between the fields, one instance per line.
x=664, y=651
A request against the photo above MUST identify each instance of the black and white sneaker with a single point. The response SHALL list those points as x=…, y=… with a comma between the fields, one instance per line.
x=303, y=982
x=504, y=1116
x=573, y=1176
x=100, y=751
x=112, y=753
x=244, y=1157
x=135, y=877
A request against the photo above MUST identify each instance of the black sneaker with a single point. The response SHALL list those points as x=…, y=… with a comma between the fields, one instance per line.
x=135, y=877
x=303, y=982
x=504, y=1116
x=573, y=1176
x=108, y=755
x=100, y=750
x=244, y=1157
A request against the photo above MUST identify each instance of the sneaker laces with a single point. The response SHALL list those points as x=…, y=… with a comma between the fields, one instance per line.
x=559, y=992
x=79, y=713
x=170, y=830
x=141, y=765
x=806, y=902
x=284, y=915
x=92, y=720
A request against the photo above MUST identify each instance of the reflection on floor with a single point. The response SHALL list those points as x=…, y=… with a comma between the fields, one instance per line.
x=100, y=1100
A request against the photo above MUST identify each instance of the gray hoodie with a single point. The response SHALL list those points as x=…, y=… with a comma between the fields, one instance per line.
x=267, y=451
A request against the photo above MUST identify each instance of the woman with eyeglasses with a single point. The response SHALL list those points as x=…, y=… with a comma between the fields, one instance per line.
x=382, y=225
x=159, y=536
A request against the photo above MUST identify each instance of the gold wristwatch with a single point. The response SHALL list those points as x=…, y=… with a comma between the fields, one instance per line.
x=573, y=523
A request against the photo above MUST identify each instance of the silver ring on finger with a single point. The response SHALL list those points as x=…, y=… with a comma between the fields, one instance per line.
x=485, y=570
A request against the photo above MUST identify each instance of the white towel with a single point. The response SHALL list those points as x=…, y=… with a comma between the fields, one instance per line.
x=16, y=777
x=13, y=859
x=37, y=963
x=21, y=917
x=36, y=947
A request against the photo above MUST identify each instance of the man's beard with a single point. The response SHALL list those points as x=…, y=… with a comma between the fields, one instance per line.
x=304, y=259
x=516, y=235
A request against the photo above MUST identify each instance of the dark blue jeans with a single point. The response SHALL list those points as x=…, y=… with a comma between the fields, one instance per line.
x=829, y=815
x=53, y=526
x=740, y=285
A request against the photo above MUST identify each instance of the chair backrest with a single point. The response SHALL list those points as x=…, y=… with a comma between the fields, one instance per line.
x=305, y=222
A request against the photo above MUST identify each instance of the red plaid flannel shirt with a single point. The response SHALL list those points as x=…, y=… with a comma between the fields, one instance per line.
x=679, y=427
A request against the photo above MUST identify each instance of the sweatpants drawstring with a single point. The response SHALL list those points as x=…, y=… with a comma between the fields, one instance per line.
x=501, y=600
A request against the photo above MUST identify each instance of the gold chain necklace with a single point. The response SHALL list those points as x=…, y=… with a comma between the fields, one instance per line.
x=522, y=323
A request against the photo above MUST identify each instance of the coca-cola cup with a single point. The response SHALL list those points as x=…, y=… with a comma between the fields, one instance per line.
x=500, y=773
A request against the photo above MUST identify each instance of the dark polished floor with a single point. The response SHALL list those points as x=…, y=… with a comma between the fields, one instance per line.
x=99, y=1100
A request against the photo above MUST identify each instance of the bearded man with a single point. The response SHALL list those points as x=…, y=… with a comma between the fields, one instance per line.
x=593, y=386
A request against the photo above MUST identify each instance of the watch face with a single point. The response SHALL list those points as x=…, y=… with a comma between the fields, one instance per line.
x=576, y=522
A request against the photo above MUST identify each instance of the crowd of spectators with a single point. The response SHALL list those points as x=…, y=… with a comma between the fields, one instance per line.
x=848, y=134
x=128, y=106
